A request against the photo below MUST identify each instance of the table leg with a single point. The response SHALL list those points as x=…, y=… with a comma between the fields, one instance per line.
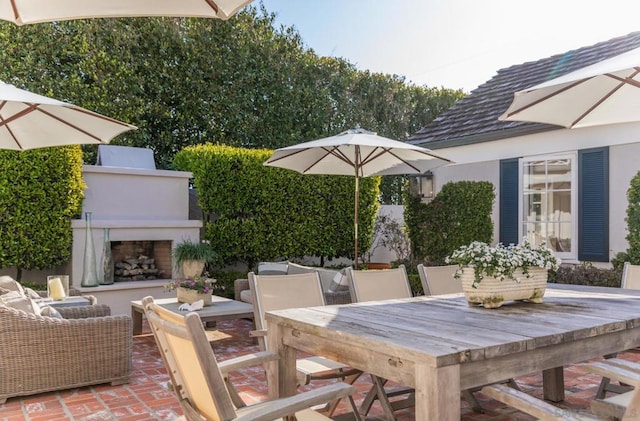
x=136, y=319
x=281, y=374
x=553, y=384
x=437, y=393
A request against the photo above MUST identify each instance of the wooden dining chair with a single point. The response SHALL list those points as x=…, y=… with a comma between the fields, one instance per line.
x=625, y=406
x=439, y=280
x=280, y=292
x=199, y=380
x=378, y=285
x=630, y=280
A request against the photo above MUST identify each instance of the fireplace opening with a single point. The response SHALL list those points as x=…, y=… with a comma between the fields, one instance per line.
x=141, y=260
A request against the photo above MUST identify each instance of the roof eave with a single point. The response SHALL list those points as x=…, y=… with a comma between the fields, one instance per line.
x=523, y=130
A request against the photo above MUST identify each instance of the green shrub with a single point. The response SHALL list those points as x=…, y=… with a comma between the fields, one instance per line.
x=224, y=281
x=459, y=214
x=632, y=254
x=586, y=274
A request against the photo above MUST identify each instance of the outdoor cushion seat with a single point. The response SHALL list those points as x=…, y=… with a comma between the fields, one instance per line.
x=334, y=283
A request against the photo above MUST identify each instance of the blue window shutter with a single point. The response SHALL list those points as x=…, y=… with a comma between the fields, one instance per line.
x=509, y=200
x=593, y=205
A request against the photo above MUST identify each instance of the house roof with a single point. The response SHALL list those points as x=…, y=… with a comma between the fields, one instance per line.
x=474, y=118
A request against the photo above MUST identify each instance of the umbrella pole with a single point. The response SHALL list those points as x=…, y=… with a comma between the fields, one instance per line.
x=355, y=222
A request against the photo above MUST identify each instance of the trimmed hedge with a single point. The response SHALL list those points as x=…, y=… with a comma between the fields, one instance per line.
x=41, y=190
x=632, y=254
x=459, y=214
x=253, y=212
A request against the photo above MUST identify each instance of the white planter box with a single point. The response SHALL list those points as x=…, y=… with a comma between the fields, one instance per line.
x=492, y=292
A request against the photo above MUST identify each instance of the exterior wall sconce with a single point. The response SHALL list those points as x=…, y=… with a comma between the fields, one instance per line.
x=422, y=185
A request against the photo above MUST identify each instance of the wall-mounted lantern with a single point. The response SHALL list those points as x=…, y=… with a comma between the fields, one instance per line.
x=422, y=185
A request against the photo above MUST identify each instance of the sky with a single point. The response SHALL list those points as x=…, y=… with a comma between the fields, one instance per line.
x=452, y=43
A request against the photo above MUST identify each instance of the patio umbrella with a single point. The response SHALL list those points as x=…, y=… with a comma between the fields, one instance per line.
x=356, y=152
x=29, y=121
x=607, y=92
x=23, y=12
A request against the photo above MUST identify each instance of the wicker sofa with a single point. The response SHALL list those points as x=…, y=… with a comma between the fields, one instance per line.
x=40, y=354
x=332, y=294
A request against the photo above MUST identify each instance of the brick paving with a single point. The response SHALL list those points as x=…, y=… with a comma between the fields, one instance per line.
x=147, y=397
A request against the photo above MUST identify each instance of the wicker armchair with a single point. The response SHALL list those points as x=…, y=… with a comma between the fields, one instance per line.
x=40, y=354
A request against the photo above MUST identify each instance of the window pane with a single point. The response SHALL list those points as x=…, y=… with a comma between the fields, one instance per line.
x=533, y=209
x=560, y=206
x=534, y=175
x=559, y=174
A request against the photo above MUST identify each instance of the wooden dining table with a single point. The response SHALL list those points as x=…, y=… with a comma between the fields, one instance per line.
x=440, y=345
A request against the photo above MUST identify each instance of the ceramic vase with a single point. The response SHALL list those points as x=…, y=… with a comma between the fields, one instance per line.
x=90, y=270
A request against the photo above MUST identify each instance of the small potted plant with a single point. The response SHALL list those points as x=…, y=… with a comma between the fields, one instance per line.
x=193, y=289
x=191, y=257
x=491, y=275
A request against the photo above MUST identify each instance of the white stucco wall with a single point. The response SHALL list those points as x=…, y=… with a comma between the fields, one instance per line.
x=481, y=161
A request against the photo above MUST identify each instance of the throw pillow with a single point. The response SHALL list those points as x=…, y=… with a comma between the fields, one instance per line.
x=7, y=282
x=49, y=311
x=340, y=282
x=31, y=293
x=20, y=302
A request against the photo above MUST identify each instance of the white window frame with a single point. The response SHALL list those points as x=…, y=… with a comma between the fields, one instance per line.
x=573, y=156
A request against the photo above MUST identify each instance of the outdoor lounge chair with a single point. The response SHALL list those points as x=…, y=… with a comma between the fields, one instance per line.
x=199, y=380
x=625, y=406
x=39, y=354
x=438, y=280
x=375, y=285
x=630, y=280
x=279, y=292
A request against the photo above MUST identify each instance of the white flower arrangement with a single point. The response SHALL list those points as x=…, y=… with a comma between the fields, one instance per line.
x=501, y=261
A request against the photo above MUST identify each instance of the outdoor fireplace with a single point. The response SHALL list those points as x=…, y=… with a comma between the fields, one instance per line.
x=147, y=213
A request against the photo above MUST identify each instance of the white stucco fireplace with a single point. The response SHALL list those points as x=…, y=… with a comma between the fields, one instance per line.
x=137, y=205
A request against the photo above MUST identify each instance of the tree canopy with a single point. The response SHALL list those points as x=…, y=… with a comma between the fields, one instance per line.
x=241, y=82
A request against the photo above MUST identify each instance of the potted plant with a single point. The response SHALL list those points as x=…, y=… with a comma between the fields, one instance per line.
x=191, y=257
x=491, y=275
x=193, y=289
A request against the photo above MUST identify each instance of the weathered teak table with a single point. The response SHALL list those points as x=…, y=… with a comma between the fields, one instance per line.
x=440, y=345
x=220, y=309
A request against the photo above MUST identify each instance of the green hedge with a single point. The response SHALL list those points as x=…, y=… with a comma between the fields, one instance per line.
x=459, y=214
x=632, y=254
x=253, y=212
x=41, y=190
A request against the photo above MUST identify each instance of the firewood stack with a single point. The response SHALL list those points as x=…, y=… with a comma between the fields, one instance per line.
x=141, y=268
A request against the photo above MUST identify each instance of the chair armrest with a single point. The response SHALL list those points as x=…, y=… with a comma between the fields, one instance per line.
x=248, y=360
x=84, y=312
x=278, y=408
x=239, y=285
x=261, y=333
x=616, y=370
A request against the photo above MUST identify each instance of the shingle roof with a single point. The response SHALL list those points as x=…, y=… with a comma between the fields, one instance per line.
x=474, y=118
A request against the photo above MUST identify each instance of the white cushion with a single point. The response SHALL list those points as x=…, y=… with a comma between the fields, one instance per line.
x=13, y=299
x=7, y=282
x=245, y=296
x=339, y=282
x=49, y=311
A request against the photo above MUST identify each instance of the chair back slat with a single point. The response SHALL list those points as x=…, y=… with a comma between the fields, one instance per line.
x=375, y=285
x=192, y=364
x=631, y=276
x=438, y=280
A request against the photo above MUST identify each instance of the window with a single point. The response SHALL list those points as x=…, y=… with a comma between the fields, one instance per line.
x=549, y=203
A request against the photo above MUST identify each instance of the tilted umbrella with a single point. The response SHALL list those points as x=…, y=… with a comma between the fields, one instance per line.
x=607, y=92
x=356, y=152
x=23, y=12
x=29, y=121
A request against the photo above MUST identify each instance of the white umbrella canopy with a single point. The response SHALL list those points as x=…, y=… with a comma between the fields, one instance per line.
x=23, y=12
x=607, y=92
x=356, y=152
x=29, y=121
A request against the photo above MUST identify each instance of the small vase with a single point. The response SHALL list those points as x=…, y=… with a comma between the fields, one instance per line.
x=107, y=260
x=190, y=296
x=90, y=271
